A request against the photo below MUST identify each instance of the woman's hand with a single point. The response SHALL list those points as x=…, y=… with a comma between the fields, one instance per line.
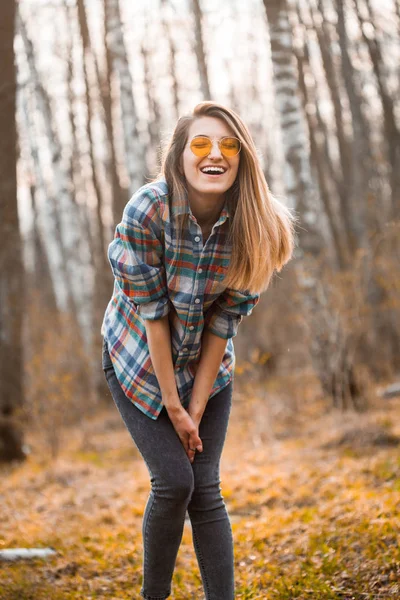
x=187, y=431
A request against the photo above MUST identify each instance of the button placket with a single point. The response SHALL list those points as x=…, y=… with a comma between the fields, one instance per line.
x=198, y=291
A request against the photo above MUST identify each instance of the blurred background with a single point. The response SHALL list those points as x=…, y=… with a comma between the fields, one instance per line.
x=91, y=89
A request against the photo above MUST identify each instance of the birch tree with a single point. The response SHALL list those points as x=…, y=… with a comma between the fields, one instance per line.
x=134, y=151
x=172, y=69
x=153, y=107
x=119, y=196
x=365, y=15
x=331, y=344
x=200, y=51
x=319, y=150
x=102, y=272
x=72, y=238
x=299, y=187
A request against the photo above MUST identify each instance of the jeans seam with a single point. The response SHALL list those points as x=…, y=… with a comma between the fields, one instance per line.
x=145, y=596
x=201, y=564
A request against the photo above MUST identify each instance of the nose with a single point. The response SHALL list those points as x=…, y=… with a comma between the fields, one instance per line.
x=215, y=152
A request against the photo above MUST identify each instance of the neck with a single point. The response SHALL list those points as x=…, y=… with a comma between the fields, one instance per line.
x=206, y=208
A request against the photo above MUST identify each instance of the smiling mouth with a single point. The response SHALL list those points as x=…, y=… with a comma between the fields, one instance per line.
x=213, y=171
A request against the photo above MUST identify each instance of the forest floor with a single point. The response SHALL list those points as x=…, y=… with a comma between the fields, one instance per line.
x=314, y=504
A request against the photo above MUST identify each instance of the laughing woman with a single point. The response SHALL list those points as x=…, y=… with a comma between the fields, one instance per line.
x=194, y=250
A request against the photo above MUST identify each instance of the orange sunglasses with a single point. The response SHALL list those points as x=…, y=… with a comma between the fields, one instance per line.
x=201, y=145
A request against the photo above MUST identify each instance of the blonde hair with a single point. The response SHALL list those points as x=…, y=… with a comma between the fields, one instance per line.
x=261, y=228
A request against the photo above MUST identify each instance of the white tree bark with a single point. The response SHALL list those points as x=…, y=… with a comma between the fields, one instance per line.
x=171, y=61
x=134, y=151
x=300, y=189
x=74, y=240
x=47, y=218
x=199, y=49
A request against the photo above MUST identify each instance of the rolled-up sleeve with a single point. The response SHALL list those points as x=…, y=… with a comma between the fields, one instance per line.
x=136, y=258
x=228, y=311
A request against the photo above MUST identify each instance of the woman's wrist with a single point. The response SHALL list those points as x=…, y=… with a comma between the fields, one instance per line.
x=173, y=405
x=196, y=409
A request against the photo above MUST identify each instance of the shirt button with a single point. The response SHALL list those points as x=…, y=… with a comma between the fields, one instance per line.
x=197, y=239
x=197, y=301
x=184, y=349
x=191, y=327
x=200, y=270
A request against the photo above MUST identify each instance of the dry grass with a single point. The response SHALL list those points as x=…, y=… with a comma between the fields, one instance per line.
x=315, y=513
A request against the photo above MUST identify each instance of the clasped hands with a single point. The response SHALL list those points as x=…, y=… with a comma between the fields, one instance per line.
x=186, y=424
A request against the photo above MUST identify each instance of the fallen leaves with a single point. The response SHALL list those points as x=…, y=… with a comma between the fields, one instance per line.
x=309, y=521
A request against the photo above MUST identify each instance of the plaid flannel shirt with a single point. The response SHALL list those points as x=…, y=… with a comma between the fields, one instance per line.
x=155, y=276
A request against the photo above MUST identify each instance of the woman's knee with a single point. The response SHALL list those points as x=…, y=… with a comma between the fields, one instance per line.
x=176, y=485
x=207, y=489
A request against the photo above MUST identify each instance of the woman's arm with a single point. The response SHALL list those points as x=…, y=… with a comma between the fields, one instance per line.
x=159, y=342
x=223, y=324
x=212, y=352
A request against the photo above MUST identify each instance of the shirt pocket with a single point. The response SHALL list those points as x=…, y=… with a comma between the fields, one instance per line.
x=215, y=281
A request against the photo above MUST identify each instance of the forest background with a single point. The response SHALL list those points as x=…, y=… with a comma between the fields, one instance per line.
x=90, y=92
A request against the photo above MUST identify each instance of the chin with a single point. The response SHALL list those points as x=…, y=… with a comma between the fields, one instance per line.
x=218, y=186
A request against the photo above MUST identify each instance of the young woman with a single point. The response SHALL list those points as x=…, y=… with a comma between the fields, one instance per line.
x=192, y=254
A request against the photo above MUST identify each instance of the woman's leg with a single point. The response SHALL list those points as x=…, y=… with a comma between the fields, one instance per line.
x=171, y=488
x=212, y=533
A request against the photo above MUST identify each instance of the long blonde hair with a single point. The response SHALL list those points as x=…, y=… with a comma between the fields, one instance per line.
x=261, y=228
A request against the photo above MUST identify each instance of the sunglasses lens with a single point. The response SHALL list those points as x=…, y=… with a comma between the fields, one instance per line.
x=230, y=146
x=201, y=146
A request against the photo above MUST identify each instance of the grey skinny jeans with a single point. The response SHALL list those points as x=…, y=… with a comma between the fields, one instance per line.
x=177, y=486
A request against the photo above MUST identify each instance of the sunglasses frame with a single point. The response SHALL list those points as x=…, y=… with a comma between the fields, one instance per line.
x=219, y=145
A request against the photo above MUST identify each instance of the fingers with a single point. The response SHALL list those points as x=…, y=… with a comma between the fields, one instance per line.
x=195, y=442
x=188, y=434
x=194, y=445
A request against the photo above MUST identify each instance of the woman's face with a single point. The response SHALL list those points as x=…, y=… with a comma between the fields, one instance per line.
x=209, y=184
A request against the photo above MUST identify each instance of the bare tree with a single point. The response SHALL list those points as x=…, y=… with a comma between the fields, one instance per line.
x=299, y=186
x=46, y=219
x=153, y=107
x=134, y=151
x=119, y=196
x=72, y=238
x=11, y=266
x=102, y=272
x=352, y=178
x=366, y=18
x=320, y=155
x=88, y=66
x=172, y=55
x=199, y=50
x=331, y=342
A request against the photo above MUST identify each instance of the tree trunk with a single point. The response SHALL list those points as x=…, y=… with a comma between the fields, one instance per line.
x=299, y=187
x=46, y=217
x=171, y=58
x=320, y=159
x=134, y=151
x=199, y=50
x=154, y=112
x=119, y=195
x=73, y=238
x=352, y=185
x=361, y=143
x=390, y=128
x=11, y=266
x=336, y=375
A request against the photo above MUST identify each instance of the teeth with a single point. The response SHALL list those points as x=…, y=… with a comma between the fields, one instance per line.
x=212, y=170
